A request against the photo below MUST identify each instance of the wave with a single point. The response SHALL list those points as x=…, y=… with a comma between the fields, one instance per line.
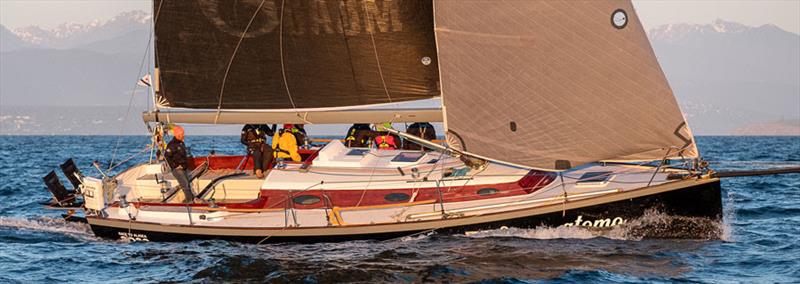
x=658, y=225
x=652, y=225
x=728, y=217
x=540, y=233
x=49, y=225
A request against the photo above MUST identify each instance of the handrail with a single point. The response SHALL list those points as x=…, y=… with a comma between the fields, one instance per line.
x=214, y=182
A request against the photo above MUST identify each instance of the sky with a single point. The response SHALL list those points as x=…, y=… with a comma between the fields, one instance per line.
x=782, y=13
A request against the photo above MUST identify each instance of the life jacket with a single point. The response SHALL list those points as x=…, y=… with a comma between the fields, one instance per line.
x=386, y=142
x=253, y=135
x=351, y=137
x=285, y=146
x=256, y=136
x=358, y=136
x=422, y=130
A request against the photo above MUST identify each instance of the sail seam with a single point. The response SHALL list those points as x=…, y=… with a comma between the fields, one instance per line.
x=235, y=50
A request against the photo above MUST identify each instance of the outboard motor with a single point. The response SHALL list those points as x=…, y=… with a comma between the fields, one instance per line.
x=62, y=197
x=73, y=174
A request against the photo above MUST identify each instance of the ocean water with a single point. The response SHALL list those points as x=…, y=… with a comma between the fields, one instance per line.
x=760, y=240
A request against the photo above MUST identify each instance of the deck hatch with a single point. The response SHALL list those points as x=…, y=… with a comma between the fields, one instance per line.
x=595, y=179
x=357, y=152
x=408, y=157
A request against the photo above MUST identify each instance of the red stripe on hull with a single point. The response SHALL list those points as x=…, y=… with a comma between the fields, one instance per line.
x=349, y=198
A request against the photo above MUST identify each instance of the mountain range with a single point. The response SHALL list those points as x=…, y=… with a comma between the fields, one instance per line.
x=727, y=75
x=729, y=78
x=74, y=35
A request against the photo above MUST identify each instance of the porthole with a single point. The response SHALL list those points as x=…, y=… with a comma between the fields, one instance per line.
x=487, y=191
x=306, y=200
x=396, y=197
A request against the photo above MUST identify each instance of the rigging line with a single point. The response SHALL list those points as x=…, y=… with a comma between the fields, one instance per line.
x=130, y=101
x=664, y=160
x=292, y=194
x=347, y=46
x=149, y=57
x=283, y=67
x=375, y=50
x=369, y=182
x=157, y=11
x=129, y=158
x=233, y=56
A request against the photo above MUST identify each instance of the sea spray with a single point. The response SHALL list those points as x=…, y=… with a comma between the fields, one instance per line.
x=49, y=225
x=653, y=224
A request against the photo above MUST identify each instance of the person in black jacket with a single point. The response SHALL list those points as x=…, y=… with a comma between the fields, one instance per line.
x=359, y=135
x=423, y=130
x=254, y=136
x=177, y=159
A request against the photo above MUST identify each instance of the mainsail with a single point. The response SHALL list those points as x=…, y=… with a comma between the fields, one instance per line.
x=554, y=84
x=293, y=54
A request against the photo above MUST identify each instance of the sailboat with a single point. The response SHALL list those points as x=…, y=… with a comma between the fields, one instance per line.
x=555, y=113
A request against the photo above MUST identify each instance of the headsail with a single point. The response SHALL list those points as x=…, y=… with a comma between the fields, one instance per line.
x=553, y=84
x=281, y=54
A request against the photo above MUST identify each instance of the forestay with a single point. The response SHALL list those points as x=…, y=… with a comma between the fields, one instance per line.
x=281, y=54
x=543, y=83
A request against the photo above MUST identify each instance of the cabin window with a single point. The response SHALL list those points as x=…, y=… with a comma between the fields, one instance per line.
x=357, y=152
x=595, y=179
x=396, y=197
x=487, y=191
x=306, y=200
x=408, y=157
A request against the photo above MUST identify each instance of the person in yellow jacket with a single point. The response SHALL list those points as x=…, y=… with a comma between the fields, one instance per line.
x=284, y=144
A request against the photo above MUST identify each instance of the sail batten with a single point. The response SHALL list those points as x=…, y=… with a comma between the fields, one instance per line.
x=541, y=83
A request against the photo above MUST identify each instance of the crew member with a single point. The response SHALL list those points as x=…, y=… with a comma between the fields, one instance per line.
x=284, y=144
x=254, y=136
x=176, y=157
x=385, y=140
x=299, y=132
x=423, y=130
x=359, y=135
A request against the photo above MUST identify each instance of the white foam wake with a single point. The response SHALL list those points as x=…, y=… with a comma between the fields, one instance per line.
x=653, y=224
x=541, y=233
x=48, y=224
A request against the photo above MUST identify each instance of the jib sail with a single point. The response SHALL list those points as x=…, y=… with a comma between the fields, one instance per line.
x=554, y=84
